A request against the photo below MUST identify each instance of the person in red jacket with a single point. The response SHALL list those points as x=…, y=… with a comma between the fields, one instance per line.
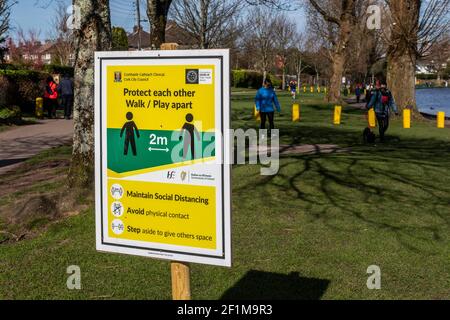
x=51, y=97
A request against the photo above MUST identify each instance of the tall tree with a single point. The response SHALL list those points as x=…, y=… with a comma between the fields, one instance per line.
x=286, y=35
x=297, y=56
x=30, y=48
x=119, y=39
x=210, y=22
x=415, y=26
x=340, y=18
x=62, y=35
x=5, y=12
x=93, y=35
x=261, y=36
x=157, y=11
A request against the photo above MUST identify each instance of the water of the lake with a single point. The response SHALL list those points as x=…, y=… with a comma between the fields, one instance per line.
x=431, y=101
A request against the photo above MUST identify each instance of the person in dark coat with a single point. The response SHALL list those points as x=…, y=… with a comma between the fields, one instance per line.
x=66, y=91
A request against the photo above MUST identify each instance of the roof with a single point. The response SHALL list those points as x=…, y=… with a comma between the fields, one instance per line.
x=45, y=48
x=133, y=39
x=174, y=34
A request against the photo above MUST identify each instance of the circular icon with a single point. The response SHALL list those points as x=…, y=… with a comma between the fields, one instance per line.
x=117, y=191
x=117, y=226
x=117, y=209
x=192, y=76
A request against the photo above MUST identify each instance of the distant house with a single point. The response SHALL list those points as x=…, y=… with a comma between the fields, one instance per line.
x=135, y=36
x=35, y=52
x=174, y=34
x=45, y=52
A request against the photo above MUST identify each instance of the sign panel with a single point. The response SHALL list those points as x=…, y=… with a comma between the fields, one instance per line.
x=162, y=160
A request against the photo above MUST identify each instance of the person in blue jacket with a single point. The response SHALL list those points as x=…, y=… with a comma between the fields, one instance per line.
x=382, y=102
x=265, y=100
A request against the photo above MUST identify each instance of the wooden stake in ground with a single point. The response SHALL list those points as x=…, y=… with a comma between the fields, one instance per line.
x=180, y=271
x=181, y=282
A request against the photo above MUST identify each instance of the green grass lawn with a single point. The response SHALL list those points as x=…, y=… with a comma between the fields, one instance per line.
x=309, y=232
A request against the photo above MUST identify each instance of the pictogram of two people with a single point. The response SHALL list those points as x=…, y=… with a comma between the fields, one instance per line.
x=188, y=134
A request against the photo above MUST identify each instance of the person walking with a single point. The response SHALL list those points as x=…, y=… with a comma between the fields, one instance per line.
x=369, y=89
x=358, y=93
x=51, y=97
x=293, y=87
x=382, y=102
x=66, y=91
x=265, y=100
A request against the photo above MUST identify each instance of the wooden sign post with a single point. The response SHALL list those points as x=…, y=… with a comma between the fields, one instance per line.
x=180, y=271
x=181, y=281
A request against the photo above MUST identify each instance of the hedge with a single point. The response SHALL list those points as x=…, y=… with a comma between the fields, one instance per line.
x=251, y=79
x=57, y=69
x=427, y=76
x=21, y=88
x=10, y=115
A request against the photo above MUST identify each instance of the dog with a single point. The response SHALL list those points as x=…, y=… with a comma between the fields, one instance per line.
x=368, y=136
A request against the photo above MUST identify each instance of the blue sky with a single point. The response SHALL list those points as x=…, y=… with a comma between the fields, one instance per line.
x=38, y=14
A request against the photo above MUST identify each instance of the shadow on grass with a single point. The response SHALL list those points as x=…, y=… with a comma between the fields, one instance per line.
x=9, y=162
x=259, y=285
x=401, y=186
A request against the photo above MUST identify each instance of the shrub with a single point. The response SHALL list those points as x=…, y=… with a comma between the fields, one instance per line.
x=277, y=83
x=58, y=69
x=21, y=88
x=251, y=79
x=10, y=115
x=246, y=79
x=426, y=76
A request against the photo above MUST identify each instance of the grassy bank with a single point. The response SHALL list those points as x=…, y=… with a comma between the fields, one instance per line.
x=309, y=232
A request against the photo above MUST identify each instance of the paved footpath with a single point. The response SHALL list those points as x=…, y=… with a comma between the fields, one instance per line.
x=23, y=142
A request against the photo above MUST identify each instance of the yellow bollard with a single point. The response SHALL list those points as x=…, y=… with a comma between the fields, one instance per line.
x=337, y=115
x=325, y=90
x=256, y=114
x=304, y=89
x=441, y=120
x=318, y=89
x=39, y=107
x=295, y=112
x=312, y=89
x=372, y=118
x=407, y=118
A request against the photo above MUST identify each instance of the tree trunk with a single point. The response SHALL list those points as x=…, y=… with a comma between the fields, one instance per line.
x=334, y=94
x=401, y=79
x=299, y=73
x=157, y=11
x=402, y=54
x=339, y=57
x=94, y=35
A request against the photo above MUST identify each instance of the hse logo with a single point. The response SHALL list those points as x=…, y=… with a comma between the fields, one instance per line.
x=171, y=175
x=191, y=76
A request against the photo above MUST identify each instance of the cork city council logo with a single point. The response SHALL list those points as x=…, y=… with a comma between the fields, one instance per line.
x=117, y=76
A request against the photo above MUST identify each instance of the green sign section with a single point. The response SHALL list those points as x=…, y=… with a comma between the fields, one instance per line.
x=154, y=148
